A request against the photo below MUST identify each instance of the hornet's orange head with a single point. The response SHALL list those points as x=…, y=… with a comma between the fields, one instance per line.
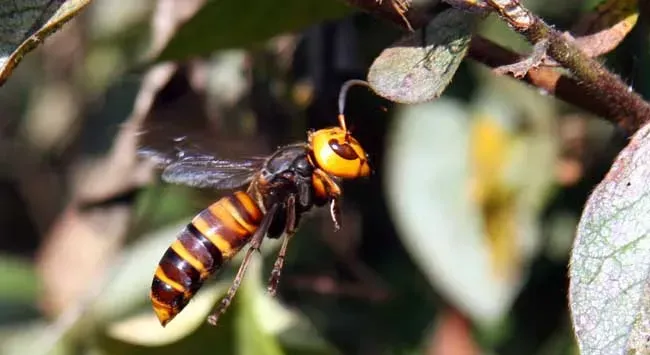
x=337, y=153
x=334, y=150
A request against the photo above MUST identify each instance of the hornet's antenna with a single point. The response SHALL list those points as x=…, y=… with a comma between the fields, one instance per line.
x=343, y=93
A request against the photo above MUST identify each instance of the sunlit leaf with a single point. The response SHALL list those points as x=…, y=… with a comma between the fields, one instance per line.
x=440, y=225
x=465, y=198
x=509, y=190
x=37, y=337
x=610, y=264
x=419, y=67
x=221, y=24
x=25, y=24
x=491, y=148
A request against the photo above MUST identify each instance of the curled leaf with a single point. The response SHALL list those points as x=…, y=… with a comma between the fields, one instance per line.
x=25, y=24
x=601, y=30
x=610, y=264
x=419, y=67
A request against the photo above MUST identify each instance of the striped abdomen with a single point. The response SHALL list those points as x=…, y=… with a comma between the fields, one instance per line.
x=215, y=235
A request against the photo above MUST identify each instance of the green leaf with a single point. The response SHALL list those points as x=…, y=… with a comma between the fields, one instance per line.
x=610, y=265
x=19, y=289
x=25, y=24
x=19, y=280
x=250, y=336
x=419, y=67
x=222, y=24
x=35, y=337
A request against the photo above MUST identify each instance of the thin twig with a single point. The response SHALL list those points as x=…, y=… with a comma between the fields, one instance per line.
x=624, y=106
x=552, y=82
x=596, y=90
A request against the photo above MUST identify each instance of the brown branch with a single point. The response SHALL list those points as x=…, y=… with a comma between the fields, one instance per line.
x=550, y=81
x=625, y=107
x=596, y=90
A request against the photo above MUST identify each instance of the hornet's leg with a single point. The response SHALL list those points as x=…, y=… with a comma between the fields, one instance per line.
x=256, y=242
x=335, y=213
x=289, y=231
x=333, y=191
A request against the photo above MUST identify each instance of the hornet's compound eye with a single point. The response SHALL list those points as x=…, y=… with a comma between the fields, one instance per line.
x=339, y=154
x=343, y=150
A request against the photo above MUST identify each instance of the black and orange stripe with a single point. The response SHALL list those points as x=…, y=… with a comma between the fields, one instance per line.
x=215, y=235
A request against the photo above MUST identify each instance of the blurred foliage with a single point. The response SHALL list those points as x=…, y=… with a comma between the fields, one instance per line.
x=25, y=24
x=457, y=245
x=229, y=29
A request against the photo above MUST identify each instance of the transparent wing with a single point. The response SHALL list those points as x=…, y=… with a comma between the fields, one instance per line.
x=197, y=169
x=218, y=174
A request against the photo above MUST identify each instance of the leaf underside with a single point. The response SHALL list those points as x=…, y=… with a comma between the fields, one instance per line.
x=610, y=263
x=419, y=67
